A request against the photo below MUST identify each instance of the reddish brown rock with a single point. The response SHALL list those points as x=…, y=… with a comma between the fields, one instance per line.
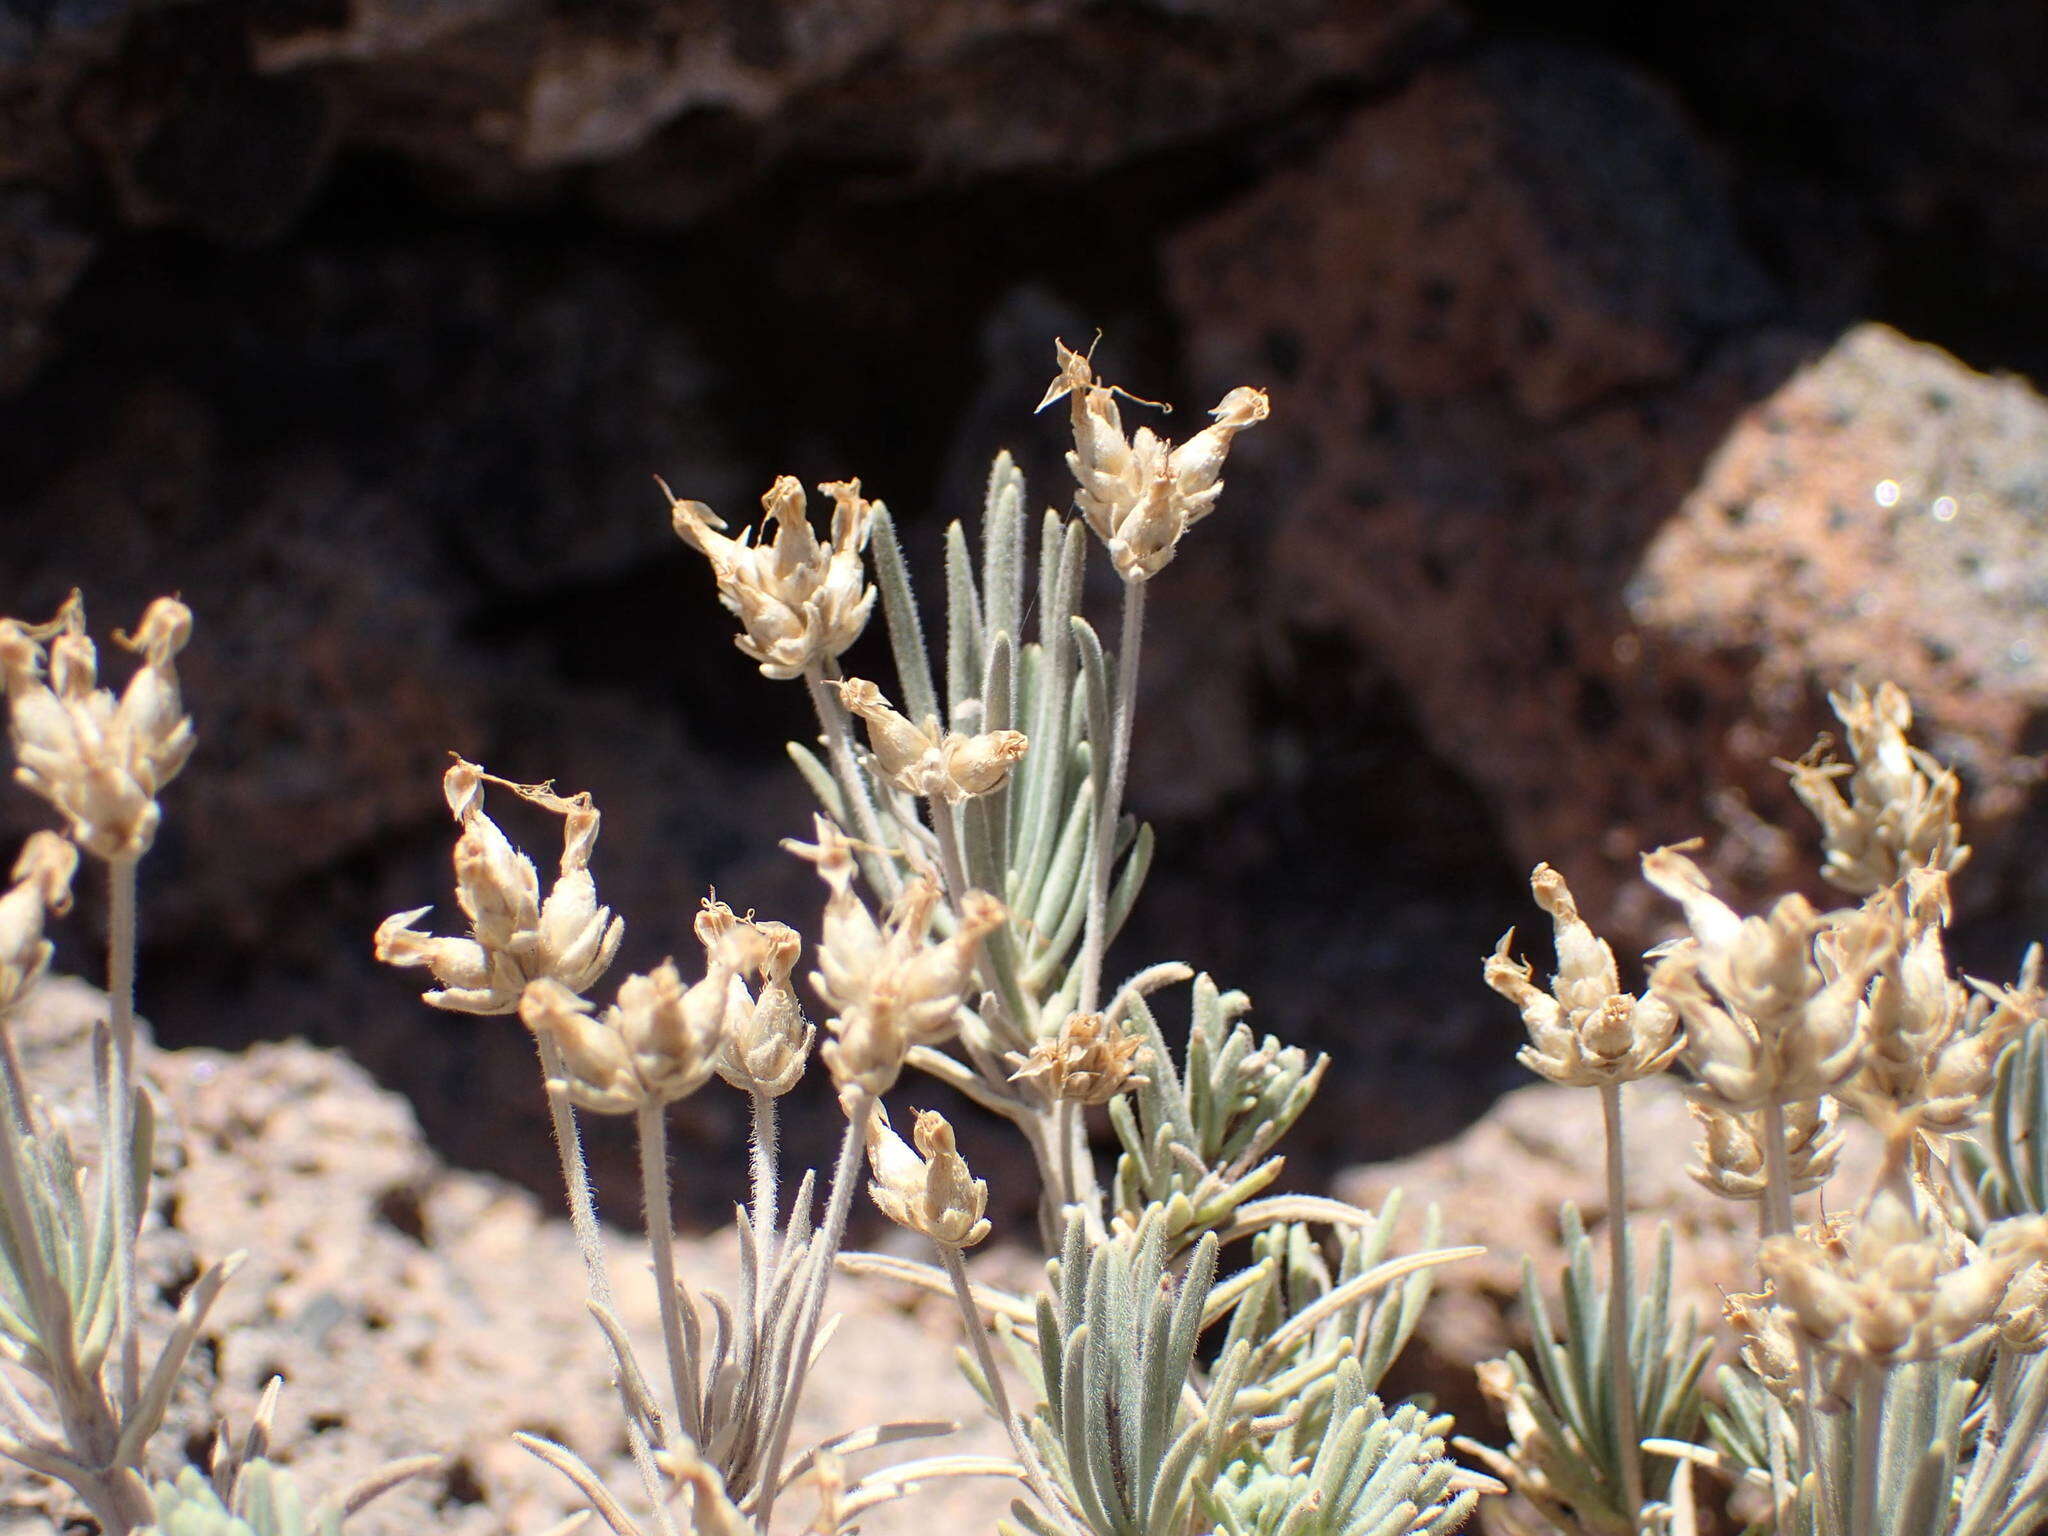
x=1518, y=364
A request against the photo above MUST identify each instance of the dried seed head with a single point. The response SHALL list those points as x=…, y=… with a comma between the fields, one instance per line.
x=890, y=987
x=1141, y=494
x=1731, y=1151
x=1931, y=1043
x=42, y=884
x=1585, y=1031
x=515, y=937
x=99, y=761
x=799, y=603
x=1767, y=1348
x=767, y=1038
x=1884, y=1288
x=2022, y=1318
x=672, y=1033
x=1900, y=812
x=597, y=1066
x=925, y=760
x=929, y=1190
x=1769, y=1004
x=1090, y=1062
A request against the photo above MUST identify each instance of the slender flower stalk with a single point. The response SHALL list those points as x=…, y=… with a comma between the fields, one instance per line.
x=1621, y=1293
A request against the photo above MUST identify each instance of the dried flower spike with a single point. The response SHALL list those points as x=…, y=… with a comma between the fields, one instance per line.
x=100, y=762
x=515, y=937
x=1089, y=1062
x=42, y=884
x=925, y=760
x=1900, y=812
x=1586, y=1031
x=930, y=1190
x=1142, y=494
x=1731, y=1160
x=1765, y=1021
x=799, y=603
x=891, y=987
x=767, y=1038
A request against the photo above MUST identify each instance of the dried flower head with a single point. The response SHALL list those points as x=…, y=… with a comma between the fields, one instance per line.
x=1769, y=1003
x=1090, y=1061
x=1767, y=1346
x=930, y=1190
x=1586, y=1031
x=515, y=937
x=1886, y=1289
x=767, y=1038
x=889, y=985
x=800, y=603
x=1731, y=1160
x=1141, y=494
x=926, y=760
x=42, y=884
x=99, y=761
x=597, y=1068
x=1900, y=812
x=1931, y=1043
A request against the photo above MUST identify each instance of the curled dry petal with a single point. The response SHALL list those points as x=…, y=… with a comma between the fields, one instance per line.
x=516, y=935
x=799, y=602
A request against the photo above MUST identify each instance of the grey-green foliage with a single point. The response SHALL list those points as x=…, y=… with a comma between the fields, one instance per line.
x=1367, y=1473
x=1141, y=1438
x=1198, y=1138
x=1960, y=1447
x=265, y=1502
x=66, y=1238
x=2011, y=1156
x=1569, y=1394
x=1028, y=841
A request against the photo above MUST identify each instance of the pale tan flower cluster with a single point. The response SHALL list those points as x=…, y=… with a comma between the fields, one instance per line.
x=515, y=936
x=925, y=760
x=800, y=603
x=1894, y=1286
x=1732, y=1160
x=889, y=984
x=42, y=885
x=1141, y=494
x=100, y=761
x=662, y=1040
x=1585, y=1031
x=931, y=1189
x=767, y=1037
x=1770, y=1004
x=1930, y=1042
x=1900, y=812
x=1090, y=1061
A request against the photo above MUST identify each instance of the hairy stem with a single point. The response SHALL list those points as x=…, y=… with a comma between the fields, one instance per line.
x=763, y=1163
x=1778, y=1220
x=1109, y=798
x=1870, y=1381
x=999, y=1396
x=1620, y=1297
x=116, y=1151
x=590, y=1243
x=845, y=1174
x=661, y=1241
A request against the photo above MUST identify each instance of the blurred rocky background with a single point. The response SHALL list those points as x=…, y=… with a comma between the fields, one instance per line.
x=1640, y=373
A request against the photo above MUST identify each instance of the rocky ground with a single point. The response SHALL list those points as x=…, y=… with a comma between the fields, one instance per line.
x=1640, y=374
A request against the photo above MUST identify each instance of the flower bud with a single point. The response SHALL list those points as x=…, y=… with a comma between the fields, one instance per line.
x=672, y=1033
x=925, y=760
